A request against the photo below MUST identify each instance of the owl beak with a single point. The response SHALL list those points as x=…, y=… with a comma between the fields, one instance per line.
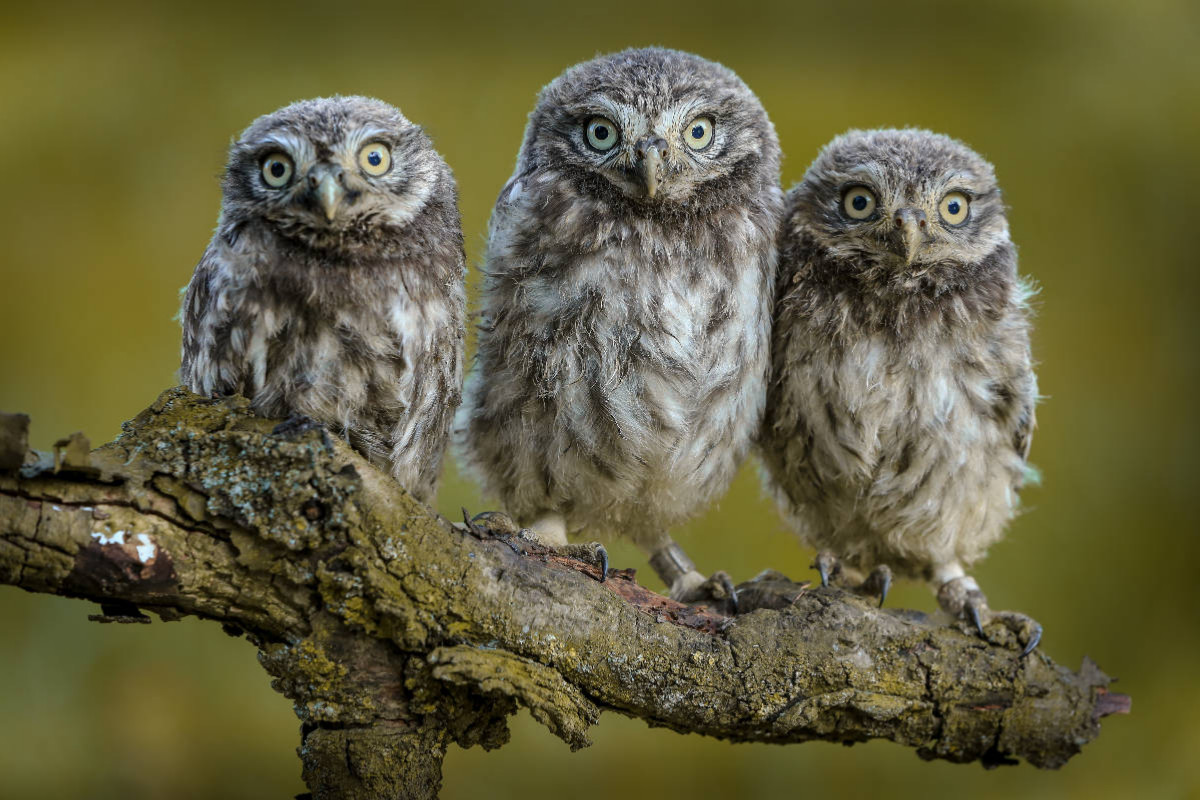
x=649, y=152
x=911, y=226
x=328, y=191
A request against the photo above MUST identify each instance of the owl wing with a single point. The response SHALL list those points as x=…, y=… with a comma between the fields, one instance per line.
x=515, y=193
x=1023, y=430
x=207, y=363
x=1023, y=420
x=1022, y=437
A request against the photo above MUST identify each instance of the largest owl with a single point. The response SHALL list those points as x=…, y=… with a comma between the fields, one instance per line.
x=901, y=405
x=332, y=289
x=623, y=350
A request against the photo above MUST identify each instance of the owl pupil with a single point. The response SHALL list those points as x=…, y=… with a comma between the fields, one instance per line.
x=601, y=132
x=860, y=202
x=953, y=208
x=374, y=159
x=698, y=132
x=277, y=169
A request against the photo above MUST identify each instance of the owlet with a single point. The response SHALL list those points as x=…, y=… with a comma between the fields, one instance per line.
x=623, y=351
x=332, y=288
x=901, y=404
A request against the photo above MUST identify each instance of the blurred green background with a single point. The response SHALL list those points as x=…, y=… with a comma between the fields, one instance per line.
x=113, y=128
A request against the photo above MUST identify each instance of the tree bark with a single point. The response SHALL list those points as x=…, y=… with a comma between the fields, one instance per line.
x=396, y=632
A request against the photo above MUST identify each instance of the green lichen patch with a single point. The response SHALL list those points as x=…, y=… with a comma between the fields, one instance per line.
x=558, y=705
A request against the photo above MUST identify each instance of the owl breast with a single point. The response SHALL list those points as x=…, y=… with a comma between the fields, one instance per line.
x=373, y=364
x=632, y=373
x=896, y=454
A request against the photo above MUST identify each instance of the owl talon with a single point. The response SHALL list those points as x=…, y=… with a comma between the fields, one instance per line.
x=717, y=590
x=1026, y=629
x=828, y=566
x=962, y=598
x=877, y=583
x=974, y=608
x=296, y=425
x=591, y=553
x=487, y=524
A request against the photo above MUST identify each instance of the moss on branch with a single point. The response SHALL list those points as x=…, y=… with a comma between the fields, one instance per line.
x=396, y=632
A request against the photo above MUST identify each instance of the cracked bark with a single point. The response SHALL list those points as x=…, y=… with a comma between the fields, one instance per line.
x=396, y=632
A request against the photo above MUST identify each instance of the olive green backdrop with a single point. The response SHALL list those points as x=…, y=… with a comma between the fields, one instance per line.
x=113, y=127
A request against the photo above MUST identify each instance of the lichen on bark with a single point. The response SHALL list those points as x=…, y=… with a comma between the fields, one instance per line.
x=395, y=632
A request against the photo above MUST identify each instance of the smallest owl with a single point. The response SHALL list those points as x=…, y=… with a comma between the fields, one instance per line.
x=332, y=290
x=901, y=405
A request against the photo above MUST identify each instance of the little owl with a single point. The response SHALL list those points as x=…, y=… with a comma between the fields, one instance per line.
x=623, y=350
x=332, y=289
x=901, y=404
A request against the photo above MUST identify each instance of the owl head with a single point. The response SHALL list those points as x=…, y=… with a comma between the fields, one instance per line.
x=902, y=203
x=331, y=173
x=654, y=128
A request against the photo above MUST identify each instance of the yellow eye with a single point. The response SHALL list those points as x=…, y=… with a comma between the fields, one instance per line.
x=699, y=133
x=277, y=170
x=601, y=133
x=375, y=158
x=858, y=202
x=954, y=208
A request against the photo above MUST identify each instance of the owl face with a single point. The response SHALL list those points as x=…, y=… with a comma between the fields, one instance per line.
x=659, y=127
x=332, y=172
x=903, y=200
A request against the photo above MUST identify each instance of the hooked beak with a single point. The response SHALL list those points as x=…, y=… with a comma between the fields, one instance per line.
x=326, y=187
x=650, y=158
x=910, y=225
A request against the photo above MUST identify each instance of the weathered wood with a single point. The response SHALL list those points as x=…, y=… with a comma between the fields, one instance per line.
x=396, y=632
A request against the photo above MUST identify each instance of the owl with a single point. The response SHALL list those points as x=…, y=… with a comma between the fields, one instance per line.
x=901, y=403
x=624, y=344
x=332, y=289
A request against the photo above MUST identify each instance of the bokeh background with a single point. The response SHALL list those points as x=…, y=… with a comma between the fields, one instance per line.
x=113, y=126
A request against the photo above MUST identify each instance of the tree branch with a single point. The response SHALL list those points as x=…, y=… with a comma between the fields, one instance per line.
x=396, y=632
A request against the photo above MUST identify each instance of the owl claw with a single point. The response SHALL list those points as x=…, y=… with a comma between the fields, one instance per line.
x=296, y=425
x=962, y=598
x=877, y=584
x=716, y=590
x=1035, y=638
x=591, y=553
x=727, y=589
x=828, y=566
x=493, y=524
x=974, y=610
x=490, y=523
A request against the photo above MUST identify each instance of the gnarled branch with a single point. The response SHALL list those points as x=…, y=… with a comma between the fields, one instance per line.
x=396, y=632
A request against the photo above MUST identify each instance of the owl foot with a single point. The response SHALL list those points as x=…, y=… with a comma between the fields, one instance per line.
x=687, y=584
x=297, y=425
x=716, y=590
x=962, y=598
x=828, y=566
x=877, y=584
x=489, y=523
x=592, y=553
x=497, y=523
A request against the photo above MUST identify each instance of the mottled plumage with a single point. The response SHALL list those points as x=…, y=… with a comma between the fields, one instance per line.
x=338, y=293
x=901, y=403
x=623, y=350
